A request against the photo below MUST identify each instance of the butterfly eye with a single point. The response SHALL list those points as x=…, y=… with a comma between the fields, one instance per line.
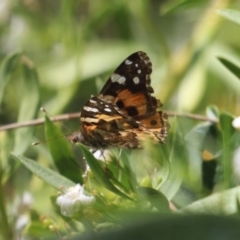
x=76, y=137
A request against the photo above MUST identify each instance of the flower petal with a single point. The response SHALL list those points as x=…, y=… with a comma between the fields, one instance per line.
x=236, y=123
x=71, y=201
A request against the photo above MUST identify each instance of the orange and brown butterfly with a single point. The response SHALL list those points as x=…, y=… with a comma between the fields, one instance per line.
x=124, y=113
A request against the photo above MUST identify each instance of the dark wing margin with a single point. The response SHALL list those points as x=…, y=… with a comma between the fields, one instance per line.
x=133, y=73
x=129, y=87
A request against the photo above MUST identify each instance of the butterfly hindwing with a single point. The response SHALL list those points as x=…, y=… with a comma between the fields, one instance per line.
x=100, y=114
x=103, y=124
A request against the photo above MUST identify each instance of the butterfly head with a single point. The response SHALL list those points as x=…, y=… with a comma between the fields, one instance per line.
x=76, y=137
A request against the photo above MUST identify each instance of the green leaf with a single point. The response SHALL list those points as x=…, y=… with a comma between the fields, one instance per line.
x=194, y=144
x=115, y=181
x=211, y=141
x=128, y=175
x=29, y=106
x=230, y=66
x=227, y=136
x=98, y=172
x=161, y=155
x=176, y=155
x=155, y=197
x=238, y=207
x=170, y=7
x=172, y=227
x=61, y=152
x=219, y=203
x=211, y=151
x=8, y=65
x=52, y=178
x=196, y=136
x=230, y=14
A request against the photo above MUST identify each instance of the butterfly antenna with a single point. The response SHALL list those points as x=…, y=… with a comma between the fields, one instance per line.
x=49, y=140
x=53, y=118
x=56, y=120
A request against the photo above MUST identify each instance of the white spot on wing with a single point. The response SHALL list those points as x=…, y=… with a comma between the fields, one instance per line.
x=139, y=71
x=121, y=80
x=128, y=62
x=92, y=101
x=90, y=109
x=89, y=120
x=118, y=78
x=107, y=109
x=136, y=80
x=115, y=77
x=136, y=65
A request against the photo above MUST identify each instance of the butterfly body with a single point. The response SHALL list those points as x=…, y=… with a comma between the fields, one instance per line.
x=124, y=113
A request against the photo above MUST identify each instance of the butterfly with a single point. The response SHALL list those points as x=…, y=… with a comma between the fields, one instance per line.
x=124, y=113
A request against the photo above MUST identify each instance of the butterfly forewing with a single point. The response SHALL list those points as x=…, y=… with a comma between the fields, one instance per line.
x=124, y=112
x=129, y=87
x=133, y=73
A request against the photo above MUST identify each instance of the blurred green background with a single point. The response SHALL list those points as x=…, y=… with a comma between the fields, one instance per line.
x=75, y=43
x=56, y=54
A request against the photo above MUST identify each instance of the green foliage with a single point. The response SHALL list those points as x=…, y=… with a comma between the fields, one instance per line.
x=231, y=67
x=51, y=177
x=98, y=172
x=224, y=202
x=154, y=227
x=230, y=14
x=61, y=152
x=7, y=67
x=68, y=50
x=29, y=105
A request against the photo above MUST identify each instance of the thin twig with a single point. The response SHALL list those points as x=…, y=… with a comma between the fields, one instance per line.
x=192, y=116
x=69, y=116
x=40, y=121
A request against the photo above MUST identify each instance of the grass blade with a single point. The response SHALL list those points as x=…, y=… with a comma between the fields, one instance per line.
x=49, y=176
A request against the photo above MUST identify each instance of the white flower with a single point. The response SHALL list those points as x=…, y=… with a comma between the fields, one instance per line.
x=22, y=222
x=236, y=123
x=71, y=201
x=99, y=155
x=20, y=211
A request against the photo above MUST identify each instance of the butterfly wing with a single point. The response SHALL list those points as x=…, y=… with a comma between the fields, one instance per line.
x=104, y=125
x=125, y=111
x=129, y=87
